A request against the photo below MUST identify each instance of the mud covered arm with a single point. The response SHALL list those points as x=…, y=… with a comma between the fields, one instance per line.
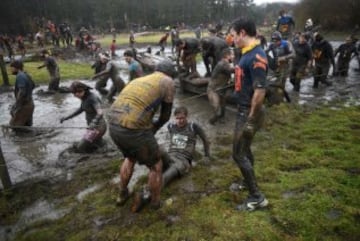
x=72, y=115
x=164, y=116
x=200, y=132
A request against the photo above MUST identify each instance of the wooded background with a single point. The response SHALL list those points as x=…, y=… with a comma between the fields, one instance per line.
x=22, y=16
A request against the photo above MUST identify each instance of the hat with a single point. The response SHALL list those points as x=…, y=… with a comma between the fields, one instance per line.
x=167, y=67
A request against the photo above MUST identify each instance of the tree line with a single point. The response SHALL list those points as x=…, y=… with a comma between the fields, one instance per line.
x=22, y=16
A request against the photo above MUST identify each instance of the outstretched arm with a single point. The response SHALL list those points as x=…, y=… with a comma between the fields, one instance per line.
x=200, y=132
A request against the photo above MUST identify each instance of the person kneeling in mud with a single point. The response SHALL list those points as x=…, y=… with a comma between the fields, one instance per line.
x=91, y=104
x=177, y=161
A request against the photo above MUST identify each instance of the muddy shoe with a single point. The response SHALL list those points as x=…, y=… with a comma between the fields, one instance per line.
x=123, y=197
x=253, y=203
x=141, y=199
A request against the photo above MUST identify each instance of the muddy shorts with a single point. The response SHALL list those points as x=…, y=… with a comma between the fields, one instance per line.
x=138, y=145
x=180, y=162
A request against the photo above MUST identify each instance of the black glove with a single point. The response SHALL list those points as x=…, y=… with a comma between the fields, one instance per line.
x=249, y=128
x=63, y=119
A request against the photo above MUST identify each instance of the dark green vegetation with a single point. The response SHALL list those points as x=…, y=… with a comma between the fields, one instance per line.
x=24, y=16
x=307, y=163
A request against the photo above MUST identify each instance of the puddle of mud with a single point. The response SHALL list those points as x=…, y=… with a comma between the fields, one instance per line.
x=41, y=210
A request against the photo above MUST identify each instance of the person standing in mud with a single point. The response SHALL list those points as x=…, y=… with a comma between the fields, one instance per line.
x=279, y=53
x=323, y=55
x=302, y=61
x=178, y=159
x=112, y=71
x=132, y=127
x=211, y=50
x=101, y=83
x=174, y=35
x=53, y=69
x=91, y=105
x=346, y=51
x=162, y=42
x=22, y=111
x=217, y=87
x=250, y=90
x=113, y=49
x=285, y=24
x=132, y=40
x=135, y=69
x=187, y=49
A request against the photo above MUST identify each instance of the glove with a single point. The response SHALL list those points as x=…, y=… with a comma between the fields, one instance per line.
x=249, y=128
x=63, y=119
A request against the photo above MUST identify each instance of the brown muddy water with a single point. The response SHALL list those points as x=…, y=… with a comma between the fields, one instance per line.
x=42, y=156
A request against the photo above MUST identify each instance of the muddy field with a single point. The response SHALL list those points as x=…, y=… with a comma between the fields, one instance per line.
x=43, y=155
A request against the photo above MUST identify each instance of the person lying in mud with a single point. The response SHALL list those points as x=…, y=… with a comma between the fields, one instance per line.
x=177, y=161
x=53, y=69
x=91, y=105
x=22, y=111
x=112, y=71
x=216, y=90
x=132, y=127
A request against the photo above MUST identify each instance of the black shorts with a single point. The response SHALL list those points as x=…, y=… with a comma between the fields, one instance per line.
x=138, y=145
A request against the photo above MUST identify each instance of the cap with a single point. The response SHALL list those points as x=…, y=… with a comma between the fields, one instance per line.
x=167, y=67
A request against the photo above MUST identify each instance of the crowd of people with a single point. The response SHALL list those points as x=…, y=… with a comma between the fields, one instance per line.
x=132, y=121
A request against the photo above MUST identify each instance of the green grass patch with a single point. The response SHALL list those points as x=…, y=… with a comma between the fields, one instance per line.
x=306, y=163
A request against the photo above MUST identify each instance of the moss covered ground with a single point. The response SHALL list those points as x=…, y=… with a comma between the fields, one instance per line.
x=307, y=164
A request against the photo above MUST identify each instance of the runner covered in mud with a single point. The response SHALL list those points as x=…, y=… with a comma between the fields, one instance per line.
x=302, y=62
x=250, y=89
x=323, y=55
x=162, y=42
x=53, y=69
x=177, y=161
x=279, y=54
x=216, y=89
x=132, y=127
x=285, y=24
x=345, y=51
x=135, y=69
x=187, y=49
x=211, y=49
x=22, y=111
x=174, y=35
x=91, y=105
x=111, y=71
x=101, y=83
